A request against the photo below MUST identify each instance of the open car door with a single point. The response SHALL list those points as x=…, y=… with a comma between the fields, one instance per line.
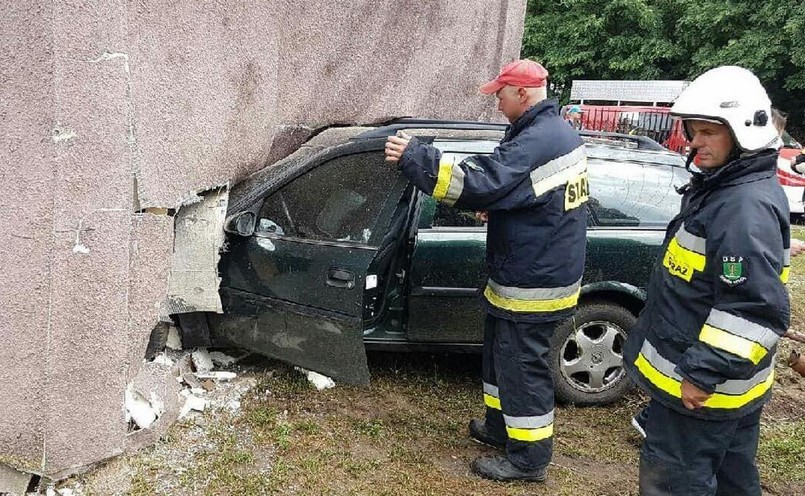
x=296, y=282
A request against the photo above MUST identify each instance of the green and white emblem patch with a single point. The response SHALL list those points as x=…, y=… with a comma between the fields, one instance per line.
x=732, y=272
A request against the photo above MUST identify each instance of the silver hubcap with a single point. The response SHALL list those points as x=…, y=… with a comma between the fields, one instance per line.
x=591, y=358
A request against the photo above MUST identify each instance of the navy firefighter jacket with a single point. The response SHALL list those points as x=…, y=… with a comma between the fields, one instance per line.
x=716, y=301
x=534, y=187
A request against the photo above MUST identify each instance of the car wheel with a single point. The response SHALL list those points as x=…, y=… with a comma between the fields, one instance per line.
x=586, y=357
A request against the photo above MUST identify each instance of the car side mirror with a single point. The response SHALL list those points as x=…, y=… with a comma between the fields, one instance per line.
x=242, y=224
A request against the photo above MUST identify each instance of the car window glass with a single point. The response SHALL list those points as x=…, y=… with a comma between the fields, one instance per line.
x=625, y=154
x=337, y=201
x=789, y=141
x=447, y=216
x=624, y=194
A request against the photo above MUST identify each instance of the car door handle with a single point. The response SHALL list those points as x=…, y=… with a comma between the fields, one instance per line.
x=340, y=278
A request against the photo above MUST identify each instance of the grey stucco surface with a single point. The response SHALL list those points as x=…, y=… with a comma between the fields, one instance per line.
x=107, y=108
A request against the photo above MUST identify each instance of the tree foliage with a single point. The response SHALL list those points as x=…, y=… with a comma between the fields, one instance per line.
x=671, y=39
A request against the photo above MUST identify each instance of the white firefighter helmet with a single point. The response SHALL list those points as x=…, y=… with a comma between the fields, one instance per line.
x=732, y=96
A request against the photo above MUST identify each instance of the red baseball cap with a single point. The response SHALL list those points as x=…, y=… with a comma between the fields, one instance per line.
x=520, y=73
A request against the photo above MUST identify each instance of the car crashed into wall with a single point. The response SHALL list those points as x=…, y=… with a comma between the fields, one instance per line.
x=331, y=252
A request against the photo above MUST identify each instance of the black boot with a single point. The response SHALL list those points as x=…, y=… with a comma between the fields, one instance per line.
x=499, y=468
x=480, y=434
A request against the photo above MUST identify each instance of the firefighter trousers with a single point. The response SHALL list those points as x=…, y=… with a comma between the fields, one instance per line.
x=689, y=456
x=518, y=389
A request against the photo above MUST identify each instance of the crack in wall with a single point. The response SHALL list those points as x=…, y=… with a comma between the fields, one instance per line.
x=131, y=137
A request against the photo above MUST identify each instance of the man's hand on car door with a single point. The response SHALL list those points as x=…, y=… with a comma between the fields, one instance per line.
x=395, y=146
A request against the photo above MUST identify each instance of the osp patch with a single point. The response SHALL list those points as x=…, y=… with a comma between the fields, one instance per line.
x=733, y=270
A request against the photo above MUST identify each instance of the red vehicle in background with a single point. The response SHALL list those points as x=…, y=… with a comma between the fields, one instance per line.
x=656, y=123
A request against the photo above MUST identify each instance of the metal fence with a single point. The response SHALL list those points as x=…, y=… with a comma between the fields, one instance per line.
x=653, y=122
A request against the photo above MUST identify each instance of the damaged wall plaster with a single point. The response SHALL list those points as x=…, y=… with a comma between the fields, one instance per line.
x=111, y=112
x=199, y=237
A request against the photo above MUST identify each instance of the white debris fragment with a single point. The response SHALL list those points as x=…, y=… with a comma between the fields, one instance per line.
x=174, y=341
x=51, y=491
x=61, y=134
x=139, y=409
x=192, y=402
x=79, y=248
x=202, y=360
x=65, y=491
x=157, y=404
x=222, y=359
x=320, y=381
x=216, y=375
x=163, y=359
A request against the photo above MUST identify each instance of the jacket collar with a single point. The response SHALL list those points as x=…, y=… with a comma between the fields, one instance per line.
x=544, y=108
x=741, y=170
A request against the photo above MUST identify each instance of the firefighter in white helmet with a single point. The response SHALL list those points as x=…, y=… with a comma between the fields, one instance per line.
x=704, y=346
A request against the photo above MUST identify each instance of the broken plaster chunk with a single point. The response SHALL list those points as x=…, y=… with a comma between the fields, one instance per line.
x=163, y=359
x=202, y=360
x=139, y=409
x=174, y=341
x=320, y=381
x=192, y=402
x=222, y=359
x=12, y=481
x=216, y=375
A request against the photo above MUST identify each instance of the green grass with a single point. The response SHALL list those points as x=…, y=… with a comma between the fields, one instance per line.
x=782, y=451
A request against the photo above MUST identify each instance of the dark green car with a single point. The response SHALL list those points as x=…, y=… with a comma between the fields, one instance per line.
x=332, y=251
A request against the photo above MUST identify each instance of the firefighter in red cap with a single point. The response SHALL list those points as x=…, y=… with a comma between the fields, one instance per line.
x=533, y=187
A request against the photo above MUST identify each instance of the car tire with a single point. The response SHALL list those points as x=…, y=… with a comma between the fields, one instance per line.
x=586, y=357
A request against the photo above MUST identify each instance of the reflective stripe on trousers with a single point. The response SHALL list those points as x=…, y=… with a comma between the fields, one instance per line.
x=518, y=389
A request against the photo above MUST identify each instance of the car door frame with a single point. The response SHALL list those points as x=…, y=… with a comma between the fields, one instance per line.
x=279, y=328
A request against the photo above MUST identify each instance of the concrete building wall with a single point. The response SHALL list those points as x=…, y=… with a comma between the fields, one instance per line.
x=108, y=108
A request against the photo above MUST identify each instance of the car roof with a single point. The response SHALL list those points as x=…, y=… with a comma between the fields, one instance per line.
x=468, y=137
x=455, y=128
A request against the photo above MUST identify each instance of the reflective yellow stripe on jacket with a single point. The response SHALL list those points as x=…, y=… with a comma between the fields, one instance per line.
x=516, y=299
x=449, y=181
x=730, y=394
x=685, y=254
x=568, y=171
x=738, y=336
x=786, y=266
